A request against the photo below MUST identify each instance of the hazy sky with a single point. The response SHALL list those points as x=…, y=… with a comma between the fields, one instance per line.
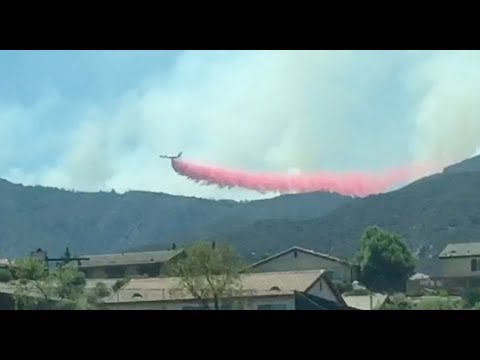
x=91, y=120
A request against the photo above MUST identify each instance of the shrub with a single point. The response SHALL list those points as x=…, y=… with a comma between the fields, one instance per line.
x=470, y=298
x=5, y=275
x=119, y=284
x=438, y=304
x=399, y=302
x=101, y=290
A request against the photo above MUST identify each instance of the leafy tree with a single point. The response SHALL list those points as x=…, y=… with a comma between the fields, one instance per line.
x=38, y=288
x=208, y=272
x=385, y=261
x=34, y=290
x=69, y=282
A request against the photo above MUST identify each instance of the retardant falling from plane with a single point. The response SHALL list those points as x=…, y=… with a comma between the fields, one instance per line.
x=352, y=184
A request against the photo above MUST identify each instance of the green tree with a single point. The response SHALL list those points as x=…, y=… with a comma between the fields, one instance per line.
x=209, y=273
x=33, y=290
x=385, y=261
x=38, y=288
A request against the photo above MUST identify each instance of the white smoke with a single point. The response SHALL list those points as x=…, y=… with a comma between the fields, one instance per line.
x=270, y=111
x=448, y=112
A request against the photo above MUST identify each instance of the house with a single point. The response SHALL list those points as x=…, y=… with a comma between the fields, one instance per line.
x=461, y=260
x=297, y=258
x=288, y=290
x=460, y=266
x=138, y=264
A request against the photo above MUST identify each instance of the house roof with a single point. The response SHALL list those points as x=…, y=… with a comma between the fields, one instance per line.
x=149, y=257
x=366, y=302
x=297, y=248
x=460, y=250
x=257, y=284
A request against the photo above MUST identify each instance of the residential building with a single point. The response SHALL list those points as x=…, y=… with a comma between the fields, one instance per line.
x=288, y=290
x=297, y=259
x=460, y=267
x=461, y=260
x=128, y=265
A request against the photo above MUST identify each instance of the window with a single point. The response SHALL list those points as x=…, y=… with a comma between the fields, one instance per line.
x=474, y=264
x=272, y=307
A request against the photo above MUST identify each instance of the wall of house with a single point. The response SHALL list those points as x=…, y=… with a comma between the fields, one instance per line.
x=303, y=261
x=287, y=302
x=322, y=290
x=459, y=267
x=123, y=271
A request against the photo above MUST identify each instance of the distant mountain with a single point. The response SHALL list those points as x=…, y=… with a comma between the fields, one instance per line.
x=429, y=214
x=32, y=217
x=468, y=165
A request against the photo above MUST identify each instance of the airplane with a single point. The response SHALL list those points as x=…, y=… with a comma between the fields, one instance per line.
x=172, y=157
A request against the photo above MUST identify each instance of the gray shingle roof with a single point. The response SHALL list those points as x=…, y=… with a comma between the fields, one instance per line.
x=149, y=257
x=460, y=250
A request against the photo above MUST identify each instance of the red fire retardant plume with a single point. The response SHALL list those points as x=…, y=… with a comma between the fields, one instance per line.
x=352, y=184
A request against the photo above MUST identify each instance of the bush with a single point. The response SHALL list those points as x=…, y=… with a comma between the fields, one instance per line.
x=443, y=293
x=399, y=302
x=101, y=290
x=119, y=284
x=471, y=298
x=438, y=304
x=5, y=275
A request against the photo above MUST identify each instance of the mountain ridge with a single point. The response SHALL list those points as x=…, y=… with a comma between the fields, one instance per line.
x=428, y=213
